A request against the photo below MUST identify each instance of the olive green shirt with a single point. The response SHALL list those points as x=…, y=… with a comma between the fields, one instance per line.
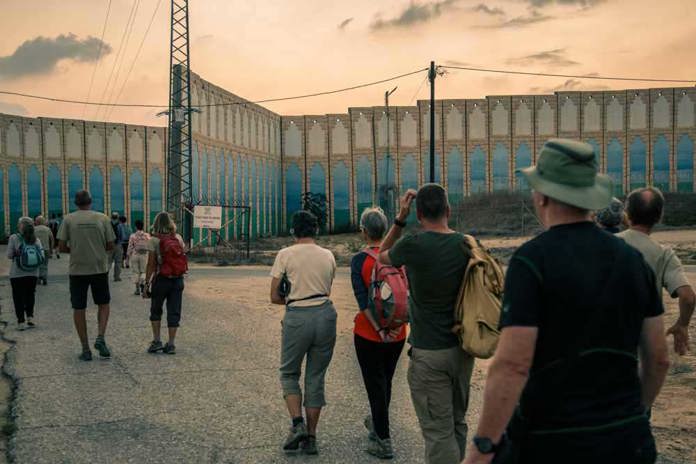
x=87, y=233
x=435, y=264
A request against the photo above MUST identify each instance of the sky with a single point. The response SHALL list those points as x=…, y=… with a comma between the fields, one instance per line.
x=276, y=48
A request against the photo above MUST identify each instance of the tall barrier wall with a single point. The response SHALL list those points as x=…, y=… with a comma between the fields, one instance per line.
x=244, y=154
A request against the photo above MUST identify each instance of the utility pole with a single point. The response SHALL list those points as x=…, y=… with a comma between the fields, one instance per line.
x=431, y=77
x=179, y=196
x=388, y=191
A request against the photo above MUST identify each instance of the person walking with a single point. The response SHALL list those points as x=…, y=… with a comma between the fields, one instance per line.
x=47, y=239
x=580, y=309
x=377, y=350
x=125, y=232
x=116, y=255
x=166, y=266
x=137, y=252
x=611, y=217
x=89, y=238
x=53, y=224
x=439, y=371
x=644, y=208
x=309, y=327
x=23, y=275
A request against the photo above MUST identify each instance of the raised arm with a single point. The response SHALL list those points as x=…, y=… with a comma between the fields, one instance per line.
x=395, y=231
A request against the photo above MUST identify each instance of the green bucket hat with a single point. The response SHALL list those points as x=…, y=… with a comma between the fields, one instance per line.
x=567, y=171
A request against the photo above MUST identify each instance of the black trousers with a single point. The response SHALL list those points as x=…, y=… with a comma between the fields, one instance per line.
x=378, y=362
x=23, y=296
x=171, y=291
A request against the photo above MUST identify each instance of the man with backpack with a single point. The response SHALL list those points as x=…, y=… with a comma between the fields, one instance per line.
x=580, y=309
x=166, y=267
x=439, y=370
x=137, y=252
x=45, y=235
x=89, y=238
x=380, y=327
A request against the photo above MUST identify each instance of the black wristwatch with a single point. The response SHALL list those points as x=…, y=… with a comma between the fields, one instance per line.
x=399, y=223
x=485, y=445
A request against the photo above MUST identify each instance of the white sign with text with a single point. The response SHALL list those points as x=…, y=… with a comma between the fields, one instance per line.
x=207, y=217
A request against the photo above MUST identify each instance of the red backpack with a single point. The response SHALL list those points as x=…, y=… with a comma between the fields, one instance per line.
x=174, y=262
x=388, y=294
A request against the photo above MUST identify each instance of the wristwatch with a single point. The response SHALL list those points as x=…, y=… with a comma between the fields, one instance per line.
x=485, y=445
x=399, y=223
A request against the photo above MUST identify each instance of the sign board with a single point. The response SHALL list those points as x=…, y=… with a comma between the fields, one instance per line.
x=207, y=217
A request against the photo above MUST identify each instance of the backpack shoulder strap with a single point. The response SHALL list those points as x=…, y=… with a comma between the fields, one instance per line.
x=470, y=241
x=371, y=253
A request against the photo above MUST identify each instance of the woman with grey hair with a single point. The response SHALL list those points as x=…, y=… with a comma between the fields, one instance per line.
x=377, y=349
x=24, y=275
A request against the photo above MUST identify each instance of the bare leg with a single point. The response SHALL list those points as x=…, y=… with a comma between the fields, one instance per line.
x=102, y=318
x=80, y=320
x=294, y=404
x=156, y=330
x=172, y=334
x=312, y=420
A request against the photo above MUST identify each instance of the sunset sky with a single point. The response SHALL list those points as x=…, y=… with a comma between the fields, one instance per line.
x=274, y=48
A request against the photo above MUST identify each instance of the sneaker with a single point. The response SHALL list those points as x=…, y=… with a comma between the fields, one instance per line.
x=169, y=349
x=155, y=346
x=30, y=323
x=370, y=428
x=86, y=355
x=45, y=282
x=100, y=346
x=137, y=290
x=381, y=449
x=309, y=446
x=297, y=435
x=21, y=326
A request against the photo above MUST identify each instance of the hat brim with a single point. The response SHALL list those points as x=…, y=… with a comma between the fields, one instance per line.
x=595, y=197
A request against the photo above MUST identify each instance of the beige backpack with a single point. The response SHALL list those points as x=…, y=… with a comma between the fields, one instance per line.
x=477, y=312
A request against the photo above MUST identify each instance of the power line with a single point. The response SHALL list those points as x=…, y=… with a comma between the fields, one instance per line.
x=118, y=54
x=137, y=55
x=96, y=64
x=425, y=79
x=607, y=78
x=268, y=100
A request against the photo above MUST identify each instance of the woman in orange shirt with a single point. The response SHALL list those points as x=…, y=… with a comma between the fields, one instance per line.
x=378, y=350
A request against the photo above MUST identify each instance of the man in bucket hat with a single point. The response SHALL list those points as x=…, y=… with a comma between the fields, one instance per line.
x=580, y=309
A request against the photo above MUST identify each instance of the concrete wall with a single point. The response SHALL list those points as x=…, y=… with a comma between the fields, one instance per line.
x=244, y=154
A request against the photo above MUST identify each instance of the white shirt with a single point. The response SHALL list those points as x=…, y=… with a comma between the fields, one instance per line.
x=309, y=268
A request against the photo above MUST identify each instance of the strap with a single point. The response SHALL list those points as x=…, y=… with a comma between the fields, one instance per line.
x=311, y=297
x=371, y=253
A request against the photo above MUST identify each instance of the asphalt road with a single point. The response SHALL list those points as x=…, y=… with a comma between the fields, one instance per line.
x=217, y=400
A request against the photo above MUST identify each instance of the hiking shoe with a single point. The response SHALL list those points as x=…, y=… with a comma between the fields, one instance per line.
x=381, y=449
x=100, y=346
x=30, y=323
x=155, y=346
x=309, y=445
x=86, y=355
x=21, y=326
x=370, y=428
x=137, y=290
x=297, y=435
x=169, y=349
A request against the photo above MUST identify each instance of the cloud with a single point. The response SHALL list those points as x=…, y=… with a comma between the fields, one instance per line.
x=41, y=54
x=494, y=11
x=581, y=3
x=570, y=85
x=549, y=57
x=456, y=63
x=521, y=21
x=415, y=13
x=345, y=22
x=13, y=108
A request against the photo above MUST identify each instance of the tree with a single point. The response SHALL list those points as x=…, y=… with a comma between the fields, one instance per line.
x=316, y=204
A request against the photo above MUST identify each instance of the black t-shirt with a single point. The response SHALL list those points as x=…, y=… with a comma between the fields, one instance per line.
x=588, y=293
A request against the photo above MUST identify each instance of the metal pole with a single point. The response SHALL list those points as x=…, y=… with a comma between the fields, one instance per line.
x=431, y=77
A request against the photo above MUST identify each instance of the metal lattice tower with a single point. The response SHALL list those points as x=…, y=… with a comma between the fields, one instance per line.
x=179, y=195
